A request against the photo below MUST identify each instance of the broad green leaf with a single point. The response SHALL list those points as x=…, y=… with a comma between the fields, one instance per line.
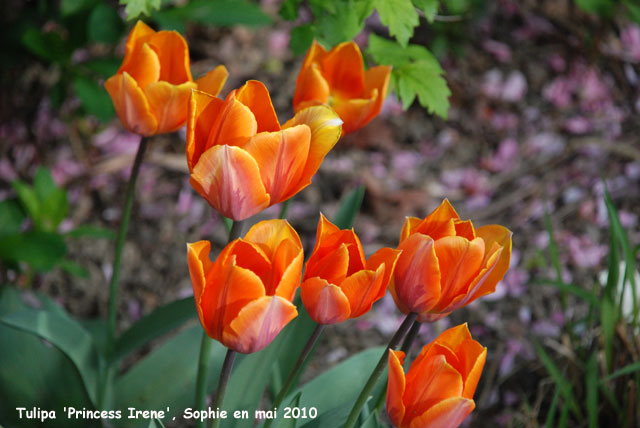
x=563, y=385
x=424, y=79
x=70, y=7
x=347, y=378
x=156, y=423
x=65, y=334
x=104, y=67
x=349, y=208
x=91, y=232
x=11, y=217
x=157, y=323
x=42, y=250
x=28, y=198
x=73, y=268
x=135, y=8
x=35, y=374
x=105, y=25
x=52, y=199
x=166, y=377
x=222, y=13
x=598, y=7
x=591, y=386
x=292, y=422
x=95, y=99
x=634, y=11
x=385, y=51
x=289, y=9
x=429, y=7
x=399, y=16
x=301, y=38
x=372, y=421
x=338, y=28
x=43, y=183
x=48, y=46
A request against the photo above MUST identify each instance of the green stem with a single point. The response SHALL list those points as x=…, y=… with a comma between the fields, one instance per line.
x=113, y=284
x=205, y=350
x=377, y=371
x=283, y=213
x=225, y=373
x=297, y=368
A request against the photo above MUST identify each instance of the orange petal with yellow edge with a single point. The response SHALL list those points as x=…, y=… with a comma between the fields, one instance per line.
x=386, y=256
x=325, y=303
x=199, y=266
x=409, y=225
x=131, y=104
x=315, y=54
x=203, y=111
x=454, y=336
x=229, y=179
x=343, y=68
x=377, y=78
x=139, y=35
x=311, y=86
x=173, y=53
x=258, y=324
x=355, y=112
x=255, y=96
x=501, y=236
x=268, y=235
x=417, y=274
x=146, y=67
x=465, y=229
x=324, y=229
x=396, y=387
x=325, y=127
x=213, y=81
x=250, y=256
x=440, y=222
x=281, y=157
x=169, y=104
x=449, y=413
x=234, y=125
x=472, y=357
x=362, y=289
x=331, y=266
x=287, y=269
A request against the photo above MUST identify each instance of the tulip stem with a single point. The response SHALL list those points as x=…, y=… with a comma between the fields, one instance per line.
x=115, y=274
x=297, y=368
x=377, y=371
x=284, y=209
x=225, y=373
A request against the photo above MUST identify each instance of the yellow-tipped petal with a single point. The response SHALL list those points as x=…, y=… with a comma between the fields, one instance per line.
x=448, y=413
x=396, y=387
x=213, y=81
x=255, y=96
x=146, y=67
x=343, y=68
x=169, y=104
x=203, y=111
x=173, y=53
x=131, y=104
x=325, y=303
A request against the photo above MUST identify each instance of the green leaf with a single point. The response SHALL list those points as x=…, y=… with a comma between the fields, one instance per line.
x=11, y=217
x=399, y=16
x=94, y=98
x=598, y=7
x=608, y=318
x=53, y=200
x=372, y=421
x=561, y=382
x=385, y=51
x=349, y=208
x=576, y=290
x=348, y=378
x=28, y=198
x=552, y=409
x=338, y=28
x=628, y=369
x=301, y=38
x=65, y=334
x=591, y=386
x=222, y=13
x=135, y=8
x=292, y=422
x=70, y=7
x=429, y=7
x=34, y=374
x=424, y=79
x=41, y=250
x=105, y=25
x=289, y=10
x=73, y=268
x=91, y=232
x=156, y=423
x=166, y=377
x=104, y=67
x=48, y=46
x=154, y=325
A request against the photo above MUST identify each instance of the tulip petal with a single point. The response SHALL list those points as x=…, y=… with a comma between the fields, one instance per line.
x=315, y=54
x=472, y=359
x=325, y=303
x=325, y=131
x=386, y=256
x=331, y=265
x=250, y=256
x=140, y=34
x=229, y=179
x=502, y=236
x=324, y=229
x=311, y=87
x=377, y=77
x=131, y=104
x=448, y=413
x=204, y=108
x=268, y=235
x=169, y=104
x=409, y=226
x=258, y=323
x=363, y=289
x=440, y=222
x=233, y=126
x=465, y=229
x=460, y=261
x=287, y=269
x=355, y=112
x=199, y=267
x=213, y=81
x=454, y=336
x=343, y=68
x=146, y=67
x=396, y=387
x=255, y=96
x=417, y=274
x=173, y=53
x=282, y=157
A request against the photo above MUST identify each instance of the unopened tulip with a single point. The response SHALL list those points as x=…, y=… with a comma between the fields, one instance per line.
x=338, y=282
x=437, y=392
x=151, y=89
x=244, y=298
x=446, y=263
x=337, y=78
x=241, y=159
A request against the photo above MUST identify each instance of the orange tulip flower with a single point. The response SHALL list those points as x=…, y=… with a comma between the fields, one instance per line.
x=446, y=263
x=244, y=297
x=337, y=78
x=151, y=89
x=338, y=283
x=241, y=159
x=438, y=389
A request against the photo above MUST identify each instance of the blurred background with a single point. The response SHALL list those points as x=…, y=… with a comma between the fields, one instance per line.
x=541, y=136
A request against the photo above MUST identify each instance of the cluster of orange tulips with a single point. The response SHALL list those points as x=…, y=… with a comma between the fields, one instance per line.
x=242, y=160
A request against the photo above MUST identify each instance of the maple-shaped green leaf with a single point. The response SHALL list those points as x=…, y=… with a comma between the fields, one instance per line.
x=428, y=7
x=135, y=8
x=385, y=51
x=424, y=79
x=399, y=16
